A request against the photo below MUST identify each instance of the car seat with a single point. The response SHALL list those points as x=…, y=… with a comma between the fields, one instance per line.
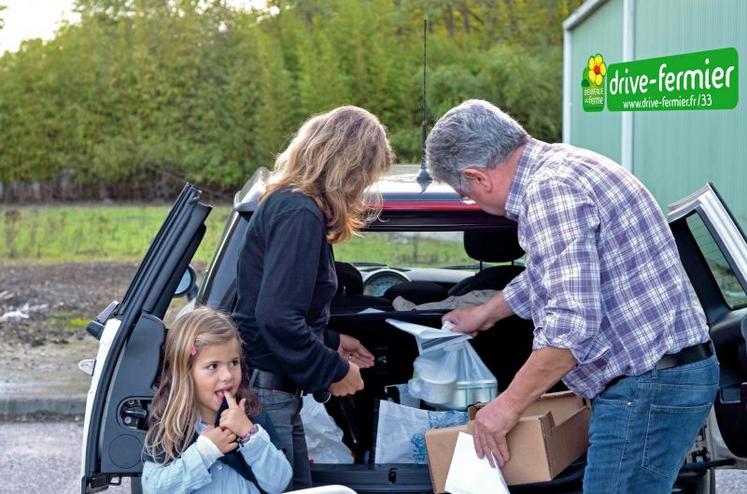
x=501, y=246
x=417, y=292
x=497, y=246
x=349, y=298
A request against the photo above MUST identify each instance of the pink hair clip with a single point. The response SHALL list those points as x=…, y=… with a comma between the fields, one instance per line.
x=193, y=351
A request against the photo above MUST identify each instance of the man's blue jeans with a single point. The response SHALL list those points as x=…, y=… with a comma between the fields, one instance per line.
x=642, y=427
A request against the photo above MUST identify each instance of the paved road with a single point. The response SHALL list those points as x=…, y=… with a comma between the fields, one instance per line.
x=41, y=457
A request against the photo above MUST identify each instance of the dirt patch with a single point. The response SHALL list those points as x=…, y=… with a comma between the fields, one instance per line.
x=44, y=310
x=42, y=304
x=52, y=304
x=43, y=313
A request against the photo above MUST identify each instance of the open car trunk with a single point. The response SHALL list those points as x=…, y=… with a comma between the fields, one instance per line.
x=503, y=349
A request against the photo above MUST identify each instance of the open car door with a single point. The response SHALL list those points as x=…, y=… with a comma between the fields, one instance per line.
x=130, y=335
x=713, y=250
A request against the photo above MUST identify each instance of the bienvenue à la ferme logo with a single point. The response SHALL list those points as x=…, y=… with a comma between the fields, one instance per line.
x=592, y=83
x=706, y=80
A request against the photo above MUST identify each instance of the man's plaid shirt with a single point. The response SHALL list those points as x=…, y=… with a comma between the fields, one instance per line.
x=603, y=278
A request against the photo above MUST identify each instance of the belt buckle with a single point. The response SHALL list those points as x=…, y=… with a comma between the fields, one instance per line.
x=253, y=373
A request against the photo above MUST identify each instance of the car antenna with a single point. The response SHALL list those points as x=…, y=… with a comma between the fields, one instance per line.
x=424, y=178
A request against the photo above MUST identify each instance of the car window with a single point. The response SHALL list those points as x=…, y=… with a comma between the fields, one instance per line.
x=727, y=281
x=406, y=249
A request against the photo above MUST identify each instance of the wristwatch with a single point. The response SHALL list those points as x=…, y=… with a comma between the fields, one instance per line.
x=245, y=438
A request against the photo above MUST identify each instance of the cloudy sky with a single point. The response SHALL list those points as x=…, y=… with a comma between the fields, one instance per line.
x=26, y=19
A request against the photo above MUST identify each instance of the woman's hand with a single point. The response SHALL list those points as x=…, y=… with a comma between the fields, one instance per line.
x=348, y=385
x=224, y=439
x=234, y=417
x=354, y=351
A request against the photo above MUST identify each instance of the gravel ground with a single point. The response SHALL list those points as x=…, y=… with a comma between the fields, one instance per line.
x=45, y=457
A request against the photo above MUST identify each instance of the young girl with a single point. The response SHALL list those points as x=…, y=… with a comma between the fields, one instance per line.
x=190, y=447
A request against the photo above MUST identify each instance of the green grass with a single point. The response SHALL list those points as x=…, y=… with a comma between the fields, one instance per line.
x=69, y=319
x=84, y=233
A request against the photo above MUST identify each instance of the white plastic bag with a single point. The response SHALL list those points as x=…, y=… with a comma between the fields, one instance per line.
x=323, y=437
x=430, y=339
x=434, y=376
x=453, y=377
x=400, y=431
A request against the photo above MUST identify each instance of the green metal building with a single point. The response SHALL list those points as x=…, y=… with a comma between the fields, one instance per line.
x=672, y=152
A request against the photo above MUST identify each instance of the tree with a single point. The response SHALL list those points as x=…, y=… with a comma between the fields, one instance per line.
x=277, y=112
x=142, y=94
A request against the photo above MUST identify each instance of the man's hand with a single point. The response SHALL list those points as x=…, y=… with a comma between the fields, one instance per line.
x=234, y=417
x=224, y=439
x=470, y=320
x=543, y=368
x=348, y=385
x=492, y=424
x=353, y=350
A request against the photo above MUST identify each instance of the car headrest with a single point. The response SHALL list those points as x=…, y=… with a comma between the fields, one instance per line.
x=349, y=279
x=495, y=246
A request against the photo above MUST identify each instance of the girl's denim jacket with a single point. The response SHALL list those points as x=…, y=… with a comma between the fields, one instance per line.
x=198, y=469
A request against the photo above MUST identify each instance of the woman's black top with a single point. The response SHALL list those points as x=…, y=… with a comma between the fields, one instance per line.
x=285, y=282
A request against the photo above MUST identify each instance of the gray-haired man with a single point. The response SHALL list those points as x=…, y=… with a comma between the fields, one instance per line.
x=615, y=316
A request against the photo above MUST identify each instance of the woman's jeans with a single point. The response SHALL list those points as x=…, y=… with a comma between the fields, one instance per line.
x=643, y=426
x=284, y=410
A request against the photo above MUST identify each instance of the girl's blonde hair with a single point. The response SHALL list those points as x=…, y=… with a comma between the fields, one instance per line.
x=334, y=158
x=174, y=414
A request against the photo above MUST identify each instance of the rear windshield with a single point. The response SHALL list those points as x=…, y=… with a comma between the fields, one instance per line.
x=406, y=249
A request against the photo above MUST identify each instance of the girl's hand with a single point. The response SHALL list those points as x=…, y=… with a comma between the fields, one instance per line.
x=224, y=439
x=234, y=417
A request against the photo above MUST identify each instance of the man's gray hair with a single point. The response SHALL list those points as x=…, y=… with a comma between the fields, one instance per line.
x=475, y=134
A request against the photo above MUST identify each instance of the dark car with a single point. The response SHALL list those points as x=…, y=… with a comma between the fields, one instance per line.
x=428, y=244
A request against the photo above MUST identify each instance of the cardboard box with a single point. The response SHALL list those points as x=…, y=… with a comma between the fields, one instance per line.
x=551, y=434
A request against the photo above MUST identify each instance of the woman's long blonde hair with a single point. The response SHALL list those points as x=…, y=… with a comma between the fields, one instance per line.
x=333, y=159
x=174, y=414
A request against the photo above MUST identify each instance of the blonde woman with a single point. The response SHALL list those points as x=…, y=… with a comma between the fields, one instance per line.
x=194, y=444
x=286, y=274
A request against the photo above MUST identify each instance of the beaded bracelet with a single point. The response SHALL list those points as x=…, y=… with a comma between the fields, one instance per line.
x=245, y=438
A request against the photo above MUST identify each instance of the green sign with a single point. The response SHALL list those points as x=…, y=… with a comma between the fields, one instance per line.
x=706, y=80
